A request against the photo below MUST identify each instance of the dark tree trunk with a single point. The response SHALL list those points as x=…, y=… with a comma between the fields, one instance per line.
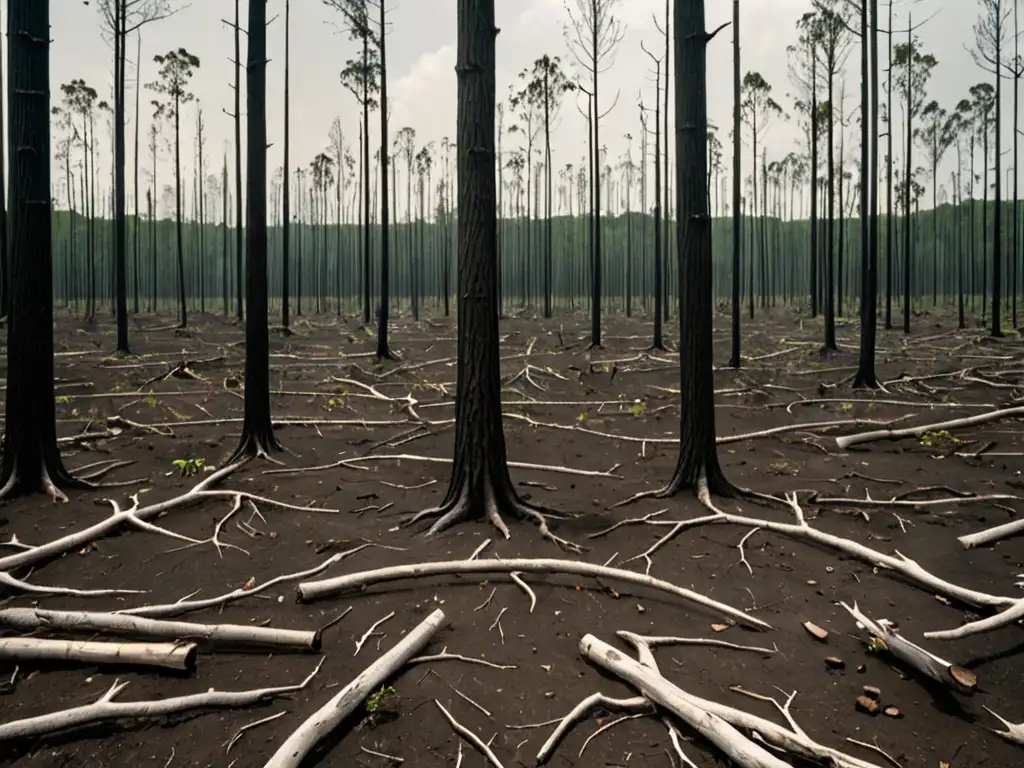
x=120, y=223
x=239, y=311
x=830, y=232
x=383, y=350
x=4, y=262
x=31, y=460
x=480, y=485
x=659, y=273
x=866, y=376
x=908, y=181
x=814, y=185
x=257, y=431
x=286, y=186
x=136, y=277
x=547, y=201
x=182, y=307
x=737, y=191
x=697, y=467
x=224, y=282
x=997, y=214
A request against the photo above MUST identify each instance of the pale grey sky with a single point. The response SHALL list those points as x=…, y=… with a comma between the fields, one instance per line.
x=421, y=58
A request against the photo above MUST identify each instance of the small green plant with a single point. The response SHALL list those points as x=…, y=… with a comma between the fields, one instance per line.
x=877, y=645
x=376, y=700
x=938, y=439
x=62, y=400
x=639, y=408
x=150, y=401
x=332, y=403
x=188, y=467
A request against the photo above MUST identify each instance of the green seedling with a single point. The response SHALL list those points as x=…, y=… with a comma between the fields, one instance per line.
x=189, y=467
x=639, y=408
x=938, y=438
x=376, y=700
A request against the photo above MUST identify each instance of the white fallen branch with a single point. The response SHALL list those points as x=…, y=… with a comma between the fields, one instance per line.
x=801, y=530
x=14, y=583
x=105, y=708
x=314, y=590
x=730, y=741
x=922, y=661
x=180, y=656
x=469, y=736
x=295, y=748
x=1005, y=618
x=1014, y=731
x=659, y=640
x=187, y=606
x=794, y=742
x=81, y=538
x=217, y=635
x=992, y=535
x=846, y=441
x=584, y=708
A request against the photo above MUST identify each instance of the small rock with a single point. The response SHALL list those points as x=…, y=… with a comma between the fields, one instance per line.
x=812, y=583
x=815, y=631
x=862, y=668
x=829, y=569
x=719, y=627
x=867, y=704
x=873, y=692
x=892, y=712
x=640, y=608
x=834, y=662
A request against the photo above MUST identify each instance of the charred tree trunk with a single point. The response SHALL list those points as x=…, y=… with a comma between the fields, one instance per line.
x=383, y=349
x=737, y=187
x=480, y=485
x=697, y=467
x=31, y=461
x=866, y=376
x=257, y=431
x=286, y=187
x=120, y=223
x=239, y=311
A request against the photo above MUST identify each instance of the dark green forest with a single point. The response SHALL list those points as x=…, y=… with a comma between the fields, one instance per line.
x=326, y=263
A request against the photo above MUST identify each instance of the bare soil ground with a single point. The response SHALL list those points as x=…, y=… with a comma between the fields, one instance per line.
x=610, y=428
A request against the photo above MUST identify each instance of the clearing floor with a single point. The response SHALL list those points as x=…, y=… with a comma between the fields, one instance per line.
x=602, y=425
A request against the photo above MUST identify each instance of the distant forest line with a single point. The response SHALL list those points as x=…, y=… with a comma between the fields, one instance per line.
x=327, y=261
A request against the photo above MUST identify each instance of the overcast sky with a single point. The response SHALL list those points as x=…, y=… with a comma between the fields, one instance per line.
x=421, y=59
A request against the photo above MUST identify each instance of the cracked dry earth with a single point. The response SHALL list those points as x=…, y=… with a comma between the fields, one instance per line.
x=608, y=429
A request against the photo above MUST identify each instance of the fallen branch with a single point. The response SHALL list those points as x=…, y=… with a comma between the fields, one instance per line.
x=105, y=708
x=584, y=708
x=1014, y=731
x=315, y=590
x=299, y=744
x=180, y=656
x=992, y=535
x=10, y=581
x=109, y=524
x=922, y=661
x=217, y=635
x=1005, y=618
x=733, y=744
x=187, y=606
x=847, y=441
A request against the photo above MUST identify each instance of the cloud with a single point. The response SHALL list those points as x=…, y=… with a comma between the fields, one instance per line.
x=426, y=97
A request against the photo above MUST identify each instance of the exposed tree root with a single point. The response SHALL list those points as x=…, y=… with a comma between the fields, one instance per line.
x=847, y=441
x=316, y=590
x=105, y=708
x=494, y=507
x=315, y=728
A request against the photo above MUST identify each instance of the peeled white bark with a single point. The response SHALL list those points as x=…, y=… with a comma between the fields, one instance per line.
x=925, y=662
x=1010, y=616
x=737, y=747
x=218, y=635
x=993, y=534
x=330, y=715
x=313, y=590
x=181, y=656
x=105, y=708
x=846, y=441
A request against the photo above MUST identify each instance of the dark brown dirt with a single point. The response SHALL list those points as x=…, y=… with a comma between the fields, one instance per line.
x=791, y=582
